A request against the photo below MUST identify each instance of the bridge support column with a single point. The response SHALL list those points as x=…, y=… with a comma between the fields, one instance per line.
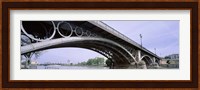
x=154, y=59
x=138, y=55
x=27, y=63
x=155, y=64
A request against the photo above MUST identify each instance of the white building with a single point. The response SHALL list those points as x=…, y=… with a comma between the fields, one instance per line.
x=172, y=56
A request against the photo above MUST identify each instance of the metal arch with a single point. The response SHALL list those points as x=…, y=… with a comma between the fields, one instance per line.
x=30, y=36
x=64, y=41
x=85, y=45
x=105, y=51
x=89, y=46
x=146, y=56
x=101, y=51
x=96, y=50
x=118, y=50
x=109, y=57
x=121, y=53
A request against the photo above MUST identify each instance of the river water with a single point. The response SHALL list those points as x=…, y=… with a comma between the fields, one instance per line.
x=98, y=67
x=71, y=67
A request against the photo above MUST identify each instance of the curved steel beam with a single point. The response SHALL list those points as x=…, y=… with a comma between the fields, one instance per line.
x=65, y=42
x=102, y=50
x=148, y=57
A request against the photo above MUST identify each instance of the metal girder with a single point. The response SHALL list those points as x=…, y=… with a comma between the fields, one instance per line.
x=70, y=41
x=149, y=60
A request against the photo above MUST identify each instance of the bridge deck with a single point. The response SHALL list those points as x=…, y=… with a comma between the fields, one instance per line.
x=121, y=36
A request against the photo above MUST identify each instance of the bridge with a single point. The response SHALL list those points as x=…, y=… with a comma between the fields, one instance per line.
x=92, y=35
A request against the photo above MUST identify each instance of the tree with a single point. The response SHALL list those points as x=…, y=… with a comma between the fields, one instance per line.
x=108, y=62
x=168, y=62
x=99, y=60
x=95, y=61
x=90, y=62
x=71, y=64
x=83, y=63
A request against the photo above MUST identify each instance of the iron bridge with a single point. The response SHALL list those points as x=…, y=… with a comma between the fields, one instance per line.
x=92, y=35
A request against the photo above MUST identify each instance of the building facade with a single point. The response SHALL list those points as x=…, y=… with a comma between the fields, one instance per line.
x=172, y=56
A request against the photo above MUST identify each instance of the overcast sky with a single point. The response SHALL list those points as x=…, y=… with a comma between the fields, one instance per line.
x=162, y=35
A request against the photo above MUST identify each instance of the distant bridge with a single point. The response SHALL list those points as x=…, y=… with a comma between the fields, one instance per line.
x=93, y=35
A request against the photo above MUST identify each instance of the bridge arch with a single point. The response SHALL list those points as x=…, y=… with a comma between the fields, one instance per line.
x=147, y=59
x=83, y=42
x=116, y=58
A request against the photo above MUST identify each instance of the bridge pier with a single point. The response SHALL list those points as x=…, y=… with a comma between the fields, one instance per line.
x=138, y=55
x=154, y=63
x=27, y=63
x=154, y=59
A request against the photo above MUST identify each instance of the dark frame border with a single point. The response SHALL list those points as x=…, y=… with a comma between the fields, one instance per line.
x=6, y=83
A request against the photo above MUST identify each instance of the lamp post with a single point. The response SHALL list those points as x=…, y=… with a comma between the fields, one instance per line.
x=141, y=39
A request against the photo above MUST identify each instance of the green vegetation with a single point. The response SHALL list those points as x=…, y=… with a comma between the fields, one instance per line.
x=97, y=61
x=93, y=61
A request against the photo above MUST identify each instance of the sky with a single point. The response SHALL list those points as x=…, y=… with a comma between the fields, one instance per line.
x=158, y=36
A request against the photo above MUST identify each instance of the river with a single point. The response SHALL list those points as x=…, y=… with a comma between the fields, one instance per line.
x=71, y=67
x=175, y=66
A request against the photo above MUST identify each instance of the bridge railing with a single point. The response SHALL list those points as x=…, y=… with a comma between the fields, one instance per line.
x=111, y=30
